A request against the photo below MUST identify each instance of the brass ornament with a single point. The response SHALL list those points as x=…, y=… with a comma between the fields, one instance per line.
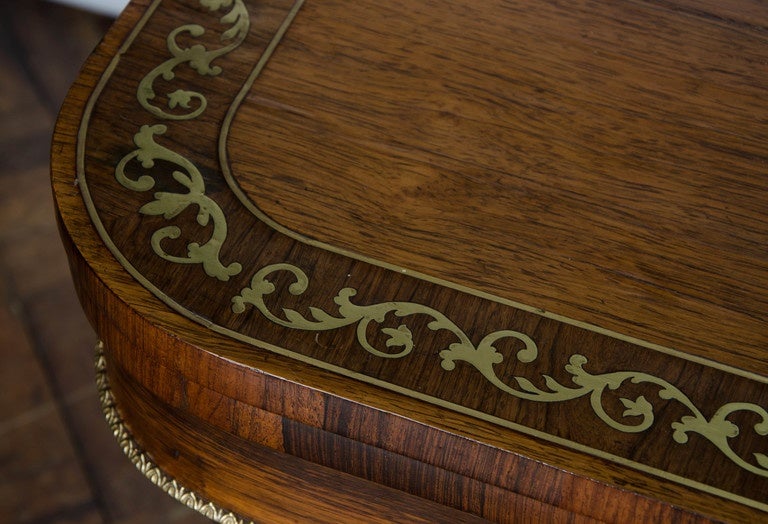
x=167, y=204
x=170, y=205
x=142, y=460
x=198, y=57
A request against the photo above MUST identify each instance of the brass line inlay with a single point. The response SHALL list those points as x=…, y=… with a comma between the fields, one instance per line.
x=482, y=357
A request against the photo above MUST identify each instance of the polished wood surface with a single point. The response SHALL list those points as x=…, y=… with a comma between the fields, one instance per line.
x=498, y=260
x=611, y=166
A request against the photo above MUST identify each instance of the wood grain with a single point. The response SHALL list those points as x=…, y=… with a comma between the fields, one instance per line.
x=611, y=162
x=553, y=169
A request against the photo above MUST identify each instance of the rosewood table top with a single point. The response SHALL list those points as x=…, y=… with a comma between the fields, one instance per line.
x=429, y=260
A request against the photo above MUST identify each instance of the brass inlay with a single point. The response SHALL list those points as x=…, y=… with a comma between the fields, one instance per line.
x=482, y=357
x=142, y=460
x=363, y=315
x=170, y=205
x=197, y=57
x=167, y=204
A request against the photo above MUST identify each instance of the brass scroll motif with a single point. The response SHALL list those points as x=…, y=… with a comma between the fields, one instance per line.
x=167, y=204
x=170, y=205
x=718, y=430
x=197, y=57
x=363, y=315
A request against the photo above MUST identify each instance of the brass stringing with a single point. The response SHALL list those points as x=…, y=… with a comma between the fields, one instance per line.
x=484, y=356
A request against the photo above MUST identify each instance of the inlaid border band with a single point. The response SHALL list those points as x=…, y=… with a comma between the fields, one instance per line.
x=207, y=255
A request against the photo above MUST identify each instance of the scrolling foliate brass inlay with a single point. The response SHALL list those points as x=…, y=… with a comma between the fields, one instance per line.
x=170, y=205
x=484, y=356
x=363, y=315
x=197, y=57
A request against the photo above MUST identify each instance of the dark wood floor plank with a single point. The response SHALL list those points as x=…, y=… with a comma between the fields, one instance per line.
x=40, y=475
x=52, y=41
x=21, y=114
x=25, y=390
x=129, y=496
x=42, y=480
x=33, y=259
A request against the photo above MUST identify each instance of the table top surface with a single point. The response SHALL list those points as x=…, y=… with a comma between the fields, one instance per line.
x=540, y=225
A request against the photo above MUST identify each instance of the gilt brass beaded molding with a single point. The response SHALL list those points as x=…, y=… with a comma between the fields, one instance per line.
x=185, y=105
x=142, y=460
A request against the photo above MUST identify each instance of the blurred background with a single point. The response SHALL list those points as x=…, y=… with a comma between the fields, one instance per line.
x=58, y=461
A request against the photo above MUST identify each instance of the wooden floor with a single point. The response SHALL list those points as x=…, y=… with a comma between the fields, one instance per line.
x=58, y=461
